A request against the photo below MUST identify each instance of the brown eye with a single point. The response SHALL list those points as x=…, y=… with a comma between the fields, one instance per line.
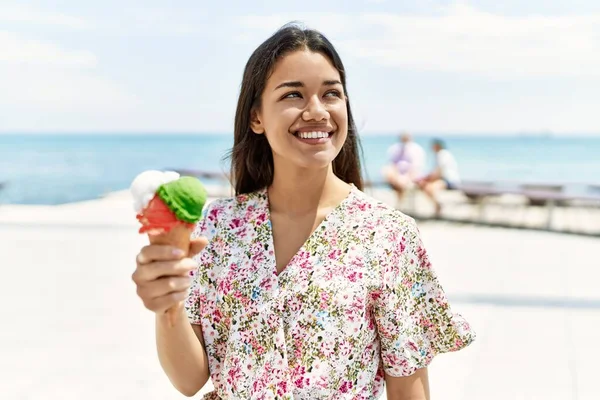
x=291, y=95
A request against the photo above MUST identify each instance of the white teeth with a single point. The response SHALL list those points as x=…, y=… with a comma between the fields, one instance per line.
x=313, y=135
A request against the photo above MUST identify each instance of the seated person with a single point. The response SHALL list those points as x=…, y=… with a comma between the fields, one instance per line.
x=444, y=176
x=407, y=161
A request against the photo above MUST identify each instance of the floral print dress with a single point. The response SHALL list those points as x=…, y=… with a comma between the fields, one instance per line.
x=358, y=299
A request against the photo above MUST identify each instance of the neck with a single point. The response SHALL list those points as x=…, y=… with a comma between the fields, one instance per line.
x=301, y=191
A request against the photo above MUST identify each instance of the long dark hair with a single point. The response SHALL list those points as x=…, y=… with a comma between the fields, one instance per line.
x=251, y=156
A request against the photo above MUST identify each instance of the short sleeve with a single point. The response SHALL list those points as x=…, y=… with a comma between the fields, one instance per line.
x=393, y=152
x=413, y=317
x=207, y=227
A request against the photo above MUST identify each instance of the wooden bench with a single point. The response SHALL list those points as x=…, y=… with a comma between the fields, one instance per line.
x=550, y=196
x=477, y=192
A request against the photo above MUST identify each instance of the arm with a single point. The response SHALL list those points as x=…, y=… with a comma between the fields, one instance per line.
x=181, y=349
x=412, y=387
x=431, y=177
x=163, y=282
x=182, y=354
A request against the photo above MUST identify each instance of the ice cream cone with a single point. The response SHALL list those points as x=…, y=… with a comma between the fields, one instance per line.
x=168, y=207
x=179, y=237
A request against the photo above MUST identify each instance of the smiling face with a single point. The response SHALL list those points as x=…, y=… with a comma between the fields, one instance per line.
x=303, y=112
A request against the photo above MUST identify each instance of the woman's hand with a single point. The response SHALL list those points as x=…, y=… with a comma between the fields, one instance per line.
x=162, y=274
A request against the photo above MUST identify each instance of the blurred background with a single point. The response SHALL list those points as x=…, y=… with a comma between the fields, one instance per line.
x=93, y=93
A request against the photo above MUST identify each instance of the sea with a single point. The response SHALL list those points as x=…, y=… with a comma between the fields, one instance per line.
x=63, y=168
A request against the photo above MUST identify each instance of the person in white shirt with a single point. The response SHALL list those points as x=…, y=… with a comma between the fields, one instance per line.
x=444, y=176
x=406, y=164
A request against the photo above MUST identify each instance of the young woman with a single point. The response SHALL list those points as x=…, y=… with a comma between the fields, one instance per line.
x=303, y=286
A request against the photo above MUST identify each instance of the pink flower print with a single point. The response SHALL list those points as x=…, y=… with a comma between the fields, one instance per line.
x=334, y=254
x=299, y=383
x=402, y=247
x=345, y=348
x=375, y=295
x=346, y=386
x=327, y=348
x=329, y=274
x=412, y=346
x=246, y=336
x=214, y=213
x=423, y=258
x=282, y=388
x=219, y=245
x=273, y=321
x=390, y=359
x=261, y=218
x=294, y=304
x=217, y=315
x=234, y=375
x=426, y=322
x=325, y=297
x=235, y=223
x=225, y=286
x=267, y=283
x=298, y=371
x=358, y=304
x=258, y=385
x=458, y=344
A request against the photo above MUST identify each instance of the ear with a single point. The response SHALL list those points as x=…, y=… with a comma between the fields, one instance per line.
x=255, y=123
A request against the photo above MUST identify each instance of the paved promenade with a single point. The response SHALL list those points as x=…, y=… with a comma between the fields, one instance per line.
x=74, y=328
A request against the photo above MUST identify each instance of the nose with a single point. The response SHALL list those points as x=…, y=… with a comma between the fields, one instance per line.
x=315, y=110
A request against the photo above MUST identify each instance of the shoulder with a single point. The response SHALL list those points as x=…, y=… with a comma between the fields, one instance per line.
x=387, y=221
x=394, y=148
x=237, y=206
x=233, y=211
x=443, y=155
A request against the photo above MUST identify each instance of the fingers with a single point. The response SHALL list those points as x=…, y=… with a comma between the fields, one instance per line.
x=159, y=269
x=163, y=293
x=197, y=245
x=163, y=276
x=163, y=286
x=162, y=303
x=156, y=252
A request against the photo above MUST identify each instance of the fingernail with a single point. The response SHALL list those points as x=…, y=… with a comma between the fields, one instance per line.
x=178, y=252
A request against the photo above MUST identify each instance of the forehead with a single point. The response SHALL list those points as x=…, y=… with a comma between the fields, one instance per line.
x=304, y=66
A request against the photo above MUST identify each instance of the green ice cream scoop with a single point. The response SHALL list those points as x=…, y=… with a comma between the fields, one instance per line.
x=185, y=196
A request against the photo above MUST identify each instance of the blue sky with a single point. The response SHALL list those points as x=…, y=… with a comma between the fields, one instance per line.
x=423, y=65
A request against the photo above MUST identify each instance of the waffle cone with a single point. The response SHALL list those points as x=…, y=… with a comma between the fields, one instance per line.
x=178, y=236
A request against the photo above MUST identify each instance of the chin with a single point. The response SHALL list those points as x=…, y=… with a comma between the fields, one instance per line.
x=317, y=161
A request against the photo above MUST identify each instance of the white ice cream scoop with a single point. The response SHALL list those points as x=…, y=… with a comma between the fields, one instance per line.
x=144, y=186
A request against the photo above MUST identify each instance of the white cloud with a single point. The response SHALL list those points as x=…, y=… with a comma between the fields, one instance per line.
x=467, y=40
x=41, y=75
x=330, y=23
x=25, y=14
x=19, y=50
x=57, y=90
x=462, y=39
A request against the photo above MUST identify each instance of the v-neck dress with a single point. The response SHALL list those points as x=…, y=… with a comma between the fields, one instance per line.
x=358, y=299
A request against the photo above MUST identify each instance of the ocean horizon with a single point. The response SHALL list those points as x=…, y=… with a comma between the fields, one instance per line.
x=58, y=168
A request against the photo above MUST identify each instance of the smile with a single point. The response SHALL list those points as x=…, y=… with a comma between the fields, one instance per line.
x=313, y=135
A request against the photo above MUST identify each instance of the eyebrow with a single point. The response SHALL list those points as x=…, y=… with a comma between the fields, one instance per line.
x=297, y=84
